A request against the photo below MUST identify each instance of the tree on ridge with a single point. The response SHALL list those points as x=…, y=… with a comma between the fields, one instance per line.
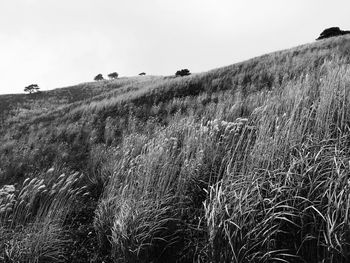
x=182, y=72
x=113, y=75
x=32, y=88
x=98, y=77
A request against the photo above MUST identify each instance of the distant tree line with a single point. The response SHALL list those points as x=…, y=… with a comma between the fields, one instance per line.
x=113, y=75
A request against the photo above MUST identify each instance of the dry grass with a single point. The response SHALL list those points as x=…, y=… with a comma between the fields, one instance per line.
x=32, y=218
x=273, y=187
x=247, y=163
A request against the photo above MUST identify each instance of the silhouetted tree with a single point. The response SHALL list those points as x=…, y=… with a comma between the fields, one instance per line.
x=332, y=32
x=99, y=77
x=113, y=75
x=182, y=72
x=31, y=88
x=142, y=74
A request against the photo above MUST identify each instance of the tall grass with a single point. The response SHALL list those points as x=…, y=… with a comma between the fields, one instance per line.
x=269, y=188
x=32, y=218
x=247, y=163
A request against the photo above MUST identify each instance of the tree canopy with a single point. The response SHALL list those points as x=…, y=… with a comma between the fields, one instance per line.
x=31, y=88
x=182, y=72
x=98, y=77
x=332, y=32
x=113, y=75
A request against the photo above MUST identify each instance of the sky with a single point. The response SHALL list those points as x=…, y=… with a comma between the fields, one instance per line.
x=57, y=43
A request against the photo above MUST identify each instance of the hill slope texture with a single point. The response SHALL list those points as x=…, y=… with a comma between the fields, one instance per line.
x=246, y=163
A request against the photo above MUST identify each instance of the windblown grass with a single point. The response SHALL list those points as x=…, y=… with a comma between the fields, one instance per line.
x=247, y=163
x=269, y=188
x=32, y=219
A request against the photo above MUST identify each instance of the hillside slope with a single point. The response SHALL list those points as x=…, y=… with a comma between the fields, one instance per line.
x=246, y=163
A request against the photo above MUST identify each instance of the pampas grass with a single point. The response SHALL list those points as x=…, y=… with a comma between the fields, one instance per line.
x=267, y=188
x=247, y=163
x=32, y=230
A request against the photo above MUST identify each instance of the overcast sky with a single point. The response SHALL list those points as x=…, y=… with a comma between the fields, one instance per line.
x=57, y=43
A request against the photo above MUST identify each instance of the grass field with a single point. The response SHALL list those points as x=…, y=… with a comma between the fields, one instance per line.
x=245, y=163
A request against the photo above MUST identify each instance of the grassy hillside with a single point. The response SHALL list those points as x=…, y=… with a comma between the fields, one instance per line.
x=246, y=163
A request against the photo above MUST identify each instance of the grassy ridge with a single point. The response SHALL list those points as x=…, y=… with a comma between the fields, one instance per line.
x=50, y=124
x=247, y=163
